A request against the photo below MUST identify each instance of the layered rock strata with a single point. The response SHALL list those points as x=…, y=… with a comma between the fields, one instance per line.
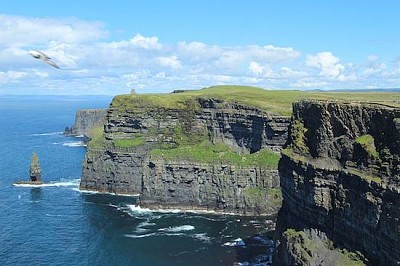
x=340, y=177
x=186, y=183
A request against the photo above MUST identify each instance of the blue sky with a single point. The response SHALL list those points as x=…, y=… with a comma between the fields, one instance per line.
x=110, y=47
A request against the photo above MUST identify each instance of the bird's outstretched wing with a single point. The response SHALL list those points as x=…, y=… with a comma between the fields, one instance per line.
x=40, y=55
x=51, y=63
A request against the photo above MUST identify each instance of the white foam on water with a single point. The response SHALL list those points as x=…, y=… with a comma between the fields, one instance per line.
x=68, y=183
x=177, y=228
x=105, y=193
x=173, y=234
x=119, y=208
x=146, y=223
x=30, y=185
x=74, y=144
x=47, y=134
x=141, y=230
x=61, y=183
x=238, y=242
x=202, y=237
x=140, y=236
x=138, y=209
x=153, y=234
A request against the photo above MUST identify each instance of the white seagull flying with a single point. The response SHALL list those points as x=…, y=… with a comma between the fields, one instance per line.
x=40, y=55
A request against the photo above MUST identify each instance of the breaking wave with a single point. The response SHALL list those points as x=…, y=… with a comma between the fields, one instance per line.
x=62, y=183
x=177, y=228
x=238, y=242
x=74, y=144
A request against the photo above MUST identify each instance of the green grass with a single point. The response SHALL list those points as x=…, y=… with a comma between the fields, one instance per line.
x=129, y=142
x=298, y=132
x=256, y=193
x=97, y=138
x=301, y=244
x=206, y=152
x=364, y=175
x=367, y=142
x=292, y=154
x=275, y=101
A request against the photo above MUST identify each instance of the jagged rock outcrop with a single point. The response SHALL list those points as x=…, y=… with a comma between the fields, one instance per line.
x=35, y=171
x=184, y=182
x=340, y=176
x=85, y=120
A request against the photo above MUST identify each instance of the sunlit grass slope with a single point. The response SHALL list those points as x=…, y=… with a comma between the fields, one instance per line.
x=275, y=101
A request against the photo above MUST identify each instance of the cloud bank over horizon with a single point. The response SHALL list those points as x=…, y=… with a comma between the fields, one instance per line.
x=93, y=63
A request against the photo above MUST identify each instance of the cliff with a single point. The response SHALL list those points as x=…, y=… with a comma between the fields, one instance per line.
x=197, y=153
x=85, y=120
x=339, y=175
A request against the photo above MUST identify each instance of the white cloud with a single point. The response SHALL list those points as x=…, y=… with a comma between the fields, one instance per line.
x=21, y=31
x=256, y=68
x=196, y=52
x=92, y=65
x=328, y=64
x=309, y=83
x=11, y=76
x=289, y=73
x=373, y=66
x=273, y=54
x=138, y=41
x=170, y=61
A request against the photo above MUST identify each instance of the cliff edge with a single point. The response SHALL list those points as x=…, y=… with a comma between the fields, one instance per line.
x=189, y=151
x=340, y=179
x=85, y=120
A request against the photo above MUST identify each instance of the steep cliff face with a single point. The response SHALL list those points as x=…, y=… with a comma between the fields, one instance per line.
x=142, y=153
x=340, y=176
x=240, y=190
x=85, y=120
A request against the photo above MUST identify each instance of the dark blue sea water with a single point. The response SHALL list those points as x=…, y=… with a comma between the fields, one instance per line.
x=56, y=224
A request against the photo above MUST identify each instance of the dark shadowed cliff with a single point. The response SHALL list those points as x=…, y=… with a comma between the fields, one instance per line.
x=340, y=182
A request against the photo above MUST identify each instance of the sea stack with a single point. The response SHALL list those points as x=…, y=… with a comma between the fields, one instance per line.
x=35, y=172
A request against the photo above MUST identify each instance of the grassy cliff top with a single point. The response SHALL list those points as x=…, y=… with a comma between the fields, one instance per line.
x=274, y=101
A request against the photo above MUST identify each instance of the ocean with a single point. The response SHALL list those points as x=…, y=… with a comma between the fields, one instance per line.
x=56, y=224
